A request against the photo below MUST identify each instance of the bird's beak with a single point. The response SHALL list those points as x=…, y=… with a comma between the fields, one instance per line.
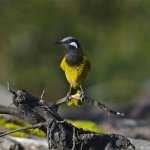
x=59, y=42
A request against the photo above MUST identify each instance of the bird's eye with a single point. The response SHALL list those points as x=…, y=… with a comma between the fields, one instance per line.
x=74, y=44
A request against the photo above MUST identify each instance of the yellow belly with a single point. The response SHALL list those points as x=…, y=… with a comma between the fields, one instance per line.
x=76, y=74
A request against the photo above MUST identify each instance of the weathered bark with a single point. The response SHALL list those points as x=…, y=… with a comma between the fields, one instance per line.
x=61, y=135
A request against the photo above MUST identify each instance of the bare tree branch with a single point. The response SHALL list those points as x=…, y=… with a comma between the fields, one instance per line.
x=61, y=135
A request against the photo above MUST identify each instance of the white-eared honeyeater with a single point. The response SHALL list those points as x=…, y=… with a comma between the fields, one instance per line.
x=76, y=66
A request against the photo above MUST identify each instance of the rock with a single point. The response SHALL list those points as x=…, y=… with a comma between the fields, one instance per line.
x=136, y=129
x=17, y=143
x=140, y=144
x=5, y=96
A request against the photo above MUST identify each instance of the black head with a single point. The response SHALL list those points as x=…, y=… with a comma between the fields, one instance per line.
x=73, y=50
x=69, y=43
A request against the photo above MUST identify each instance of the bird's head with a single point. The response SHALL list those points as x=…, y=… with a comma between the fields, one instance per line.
x=73, y=49
x=69, y=43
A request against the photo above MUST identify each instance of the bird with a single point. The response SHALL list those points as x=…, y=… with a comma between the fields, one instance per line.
x=76, y=66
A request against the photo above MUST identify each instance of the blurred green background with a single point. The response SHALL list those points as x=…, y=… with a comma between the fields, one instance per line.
x=114, y=33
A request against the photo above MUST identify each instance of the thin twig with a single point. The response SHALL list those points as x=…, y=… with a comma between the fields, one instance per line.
x=24, y=128
x=42, y=94
x=73, y=139
x=96, y=103
x=81, y=146
x=91, y=101
x=102, y=106
x=62, y=100
x=56, y=105
x=10, y=90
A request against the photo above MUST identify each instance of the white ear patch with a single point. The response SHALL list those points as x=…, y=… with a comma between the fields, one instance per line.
x=74, y=44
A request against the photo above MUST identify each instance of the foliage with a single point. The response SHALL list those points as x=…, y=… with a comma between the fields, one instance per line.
x=25, y=133
x=86, y=125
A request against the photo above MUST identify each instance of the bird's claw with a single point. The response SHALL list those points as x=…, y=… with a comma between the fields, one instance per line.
x=77, y=96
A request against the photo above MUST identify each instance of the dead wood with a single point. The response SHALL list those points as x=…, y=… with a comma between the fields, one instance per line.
x=60, y=134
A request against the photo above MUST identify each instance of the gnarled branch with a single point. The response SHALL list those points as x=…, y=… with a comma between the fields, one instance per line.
x=59, y=132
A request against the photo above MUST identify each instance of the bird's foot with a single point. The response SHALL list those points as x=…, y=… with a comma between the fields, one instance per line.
x=77, y=96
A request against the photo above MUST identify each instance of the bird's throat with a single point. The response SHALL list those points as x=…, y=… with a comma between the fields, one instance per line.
x=73, y=58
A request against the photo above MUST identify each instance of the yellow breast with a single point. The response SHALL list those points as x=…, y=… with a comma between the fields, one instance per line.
x=76, y=74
